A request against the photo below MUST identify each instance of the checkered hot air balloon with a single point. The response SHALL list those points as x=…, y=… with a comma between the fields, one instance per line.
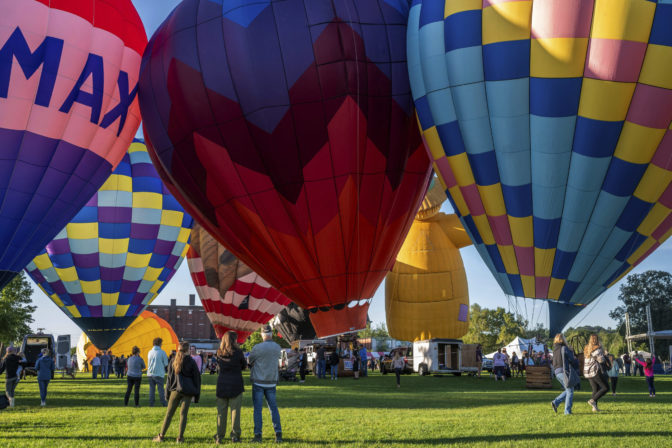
x=548, y=123
x=118, y=253
x=68, y=111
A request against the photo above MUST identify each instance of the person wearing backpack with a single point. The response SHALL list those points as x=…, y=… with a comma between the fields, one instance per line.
x=594, y=369
x=564, y=367
x=333, y=363
x=230, y=387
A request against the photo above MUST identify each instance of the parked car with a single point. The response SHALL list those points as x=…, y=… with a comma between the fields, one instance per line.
x=404, y=352
x=487, y=364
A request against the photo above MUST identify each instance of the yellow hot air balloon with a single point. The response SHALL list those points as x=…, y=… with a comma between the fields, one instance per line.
x=141, y=333
x=426, y=294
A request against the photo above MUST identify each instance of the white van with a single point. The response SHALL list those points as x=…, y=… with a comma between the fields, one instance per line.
x=440, y=356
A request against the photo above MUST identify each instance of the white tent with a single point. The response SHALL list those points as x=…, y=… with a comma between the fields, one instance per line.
x=519, y=345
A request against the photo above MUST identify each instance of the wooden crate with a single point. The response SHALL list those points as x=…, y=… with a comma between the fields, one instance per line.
x=538, y=377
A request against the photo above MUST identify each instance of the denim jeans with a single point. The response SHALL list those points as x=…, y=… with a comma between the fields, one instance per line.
x=649, y=382
x=43, y=389
x=334, y=372
x=105, y=373
x=96, y=369
x=321, y=368
x=10, y=386
x=362, y=368
x=258, y=394
x=156, y=381
x=567, y=395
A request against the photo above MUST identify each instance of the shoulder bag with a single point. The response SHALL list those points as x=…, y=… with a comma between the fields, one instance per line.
x=572, y=378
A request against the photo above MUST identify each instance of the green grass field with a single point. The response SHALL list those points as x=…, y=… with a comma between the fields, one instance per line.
x=370, y=412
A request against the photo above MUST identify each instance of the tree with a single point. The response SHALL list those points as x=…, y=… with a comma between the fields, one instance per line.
x=16, y=309
x=378, y=331
x=255, y=338
x=649, y=288
x=493, y=328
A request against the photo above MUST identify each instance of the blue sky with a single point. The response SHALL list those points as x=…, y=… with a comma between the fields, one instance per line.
x=483, y=289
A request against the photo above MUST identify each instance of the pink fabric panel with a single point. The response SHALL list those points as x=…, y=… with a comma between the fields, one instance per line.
x=646, y=254
x=651, y=107
x=501, y=230
x=663, y=155
x=525, y=257
x=473, y=199
x=561, y=18
x=541, y=285
x=666, y=197
x=662, y=228
x=614, y=60
x=443, y=167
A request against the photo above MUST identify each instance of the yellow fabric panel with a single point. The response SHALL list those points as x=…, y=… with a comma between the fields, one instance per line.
x=605, y=100
x=522, y=231
x=637, y=144
x=82, y=231
x=452, y=227
x=156, y=286
x=113, y=246
x=92, y=287
x=543, y=262
x=484, y=229
x=462, y=169
x=144, y=199
x=528, y=285
x=183, y=236
x=623, y=20
x=657, y=66
x=654, y=182
x=42, y=261
x=412, y=322
x=110, y=299
x=458, y=199
x=74, y=311
x=67, y=274
x=433, y=142
x=137, y=147
x=55, y=298
x=121, y=310
x=507, y=21
x=455, y=6
x=118, y=182
x=641, y=250
x=151, y=274
x=509, y=258
x=171, y=218
x=558, y=57
x=492, y=198
x=555, y=288
x=137, y=260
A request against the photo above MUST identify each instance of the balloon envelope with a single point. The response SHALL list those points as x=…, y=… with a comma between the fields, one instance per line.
x=68, y=111
x=549, y=128
x=118, y=253
x=287, y=129
x=293, y=323
x=234, y=297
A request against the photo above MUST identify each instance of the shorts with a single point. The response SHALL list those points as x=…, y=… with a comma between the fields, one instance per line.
x=500, y=370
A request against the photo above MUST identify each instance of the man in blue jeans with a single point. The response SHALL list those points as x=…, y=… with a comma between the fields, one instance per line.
x=321, y=362
x=157, y=364
x=263, y=361
x=104, y=365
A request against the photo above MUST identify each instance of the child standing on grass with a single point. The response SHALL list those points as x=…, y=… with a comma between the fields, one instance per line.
x=648, y=373
x=613, y=374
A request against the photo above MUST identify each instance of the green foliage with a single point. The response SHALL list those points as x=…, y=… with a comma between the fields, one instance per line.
x=378, y=331
x=649, y=288
x=371, y=412
x=16, y=309
x=493, y=328
x=611, y=340
x=255, y=338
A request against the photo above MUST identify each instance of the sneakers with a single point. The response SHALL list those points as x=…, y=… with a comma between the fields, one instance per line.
x=179, y=440
x=158, y=438
x=278, y=437
x=554, y=406
x=43, y=404
x=593, y=405
x=257, y=438
x=235, y=439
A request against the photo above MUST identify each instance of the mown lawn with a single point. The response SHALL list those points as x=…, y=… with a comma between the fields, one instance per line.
x=371, y=412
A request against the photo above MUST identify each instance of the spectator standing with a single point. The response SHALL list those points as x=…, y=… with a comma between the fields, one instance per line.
x=364, y=358
x=231, y=362
x=648, y=372
x=321, y=362
x=157, y=365
x=612, y=373
x=86, y=365
x=104, y=365
x=134, y=378
x=594, y=369
x=639, y=363
x=479, y=358
x=45, y=370
x=10, y=365
x=197, y=358
x=122, y=365
x=263, y=360
x=398, y=365
x=499, y=365
x=95, y=366
x=333, y=365
x=183, y=384
x=117, y=367
x=110, y=364
x=514, y=363
x=303, y=364
x=564, y=362
x=627, y=362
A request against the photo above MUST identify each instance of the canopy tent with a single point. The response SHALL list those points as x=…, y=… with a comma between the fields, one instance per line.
x=519, y=345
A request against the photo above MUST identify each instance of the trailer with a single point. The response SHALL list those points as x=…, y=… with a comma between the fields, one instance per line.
x=441, y=356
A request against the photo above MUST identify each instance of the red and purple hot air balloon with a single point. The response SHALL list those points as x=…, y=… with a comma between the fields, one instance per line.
x=68, y=111
x=287, y=130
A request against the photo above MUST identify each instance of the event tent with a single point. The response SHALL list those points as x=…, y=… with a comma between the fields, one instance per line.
x=519, y=345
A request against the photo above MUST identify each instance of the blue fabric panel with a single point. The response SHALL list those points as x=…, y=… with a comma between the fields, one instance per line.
x=86, y=214
x=633, y=214
x=571, y=233
x=624, y=267
x=431, y=12
x=517, y=285
x=73, y=287
x=595, y=138
x=568, y=291
x=617, y=239
x=508, y=98
x=451, y=138
x=114, y=230
x=170, y=203
x=110, y=286
x=518, y=200
x=470, y=101
x=552, y=135
x=631, y=246
x=503, y=280
x=88, y=274
x=153, y=184
x=476, y=135
x=559, y=315
x=608, y=209
x=456, y=210
x=469, y=224
x=514, y=167
x=158, y=261
x=550, y=169
x=594, y=238
x=506, y=60
x=484, y=167
x=496, y=258
x=89, y=246
x=62, y=261
x=613, y=266
x=424, y=113
x=113, y=260
x=555, y=97
x=138, y=246
x=432, y=57
x=562, y=264
x=546, y=232
x=587, y=173
x=125, y=298
x=441, y=105
x=548, y=201
x=582, y=263
x=661, y=31
x=511, y=134
x=465, y=66
x=623, y=177
x=116, y=198
x=462, y=30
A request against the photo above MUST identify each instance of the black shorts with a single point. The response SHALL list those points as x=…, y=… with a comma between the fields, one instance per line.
x=500, y=370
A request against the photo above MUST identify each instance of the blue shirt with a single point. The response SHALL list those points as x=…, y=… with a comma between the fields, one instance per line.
x=45, y=367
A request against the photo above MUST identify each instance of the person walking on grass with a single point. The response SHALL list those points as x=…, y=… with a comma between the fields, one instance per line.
x=303, y=364
x=231, y=362
x=479, y=358
x=564, y=362
x=594, y=369
x=263, y=361
x=333, y=365
x=157, y=364
x=45, y=370
x=321, y=362
x=364, y=360
x=134, y=378
x=648, y=373
x=613, y=374
x=398, y=365
x=10, y=365
x=183, y=384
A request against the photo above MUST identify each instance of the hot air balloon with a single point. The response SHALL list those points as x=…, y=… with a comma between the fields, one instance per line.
x=142, y=332
x=68, y=111
x=426, y=294
x=234, y=297
x=287, y=130
x=293, y=323
x=118, y=253
x=549, y=128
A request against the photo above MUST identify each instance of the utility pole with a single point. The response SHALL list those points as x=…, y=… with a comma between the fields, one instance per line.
x=627, y=332
x=652, y=346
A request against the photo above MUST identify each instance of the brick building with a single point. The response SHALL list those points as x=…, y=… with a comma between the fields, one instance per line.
x=190, y=322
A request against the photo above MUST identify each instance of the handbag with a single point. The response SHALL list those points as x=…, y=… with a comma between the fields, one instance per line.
x=572, y=378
